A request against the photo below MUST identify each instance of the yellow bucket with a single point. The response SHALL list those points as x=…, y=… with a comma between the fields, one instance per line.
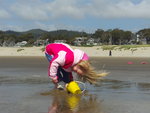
x=73, y=88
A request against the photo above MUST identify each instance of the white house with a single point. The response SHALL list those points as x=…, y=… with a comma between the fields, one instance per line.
x=23, y=43
x=60, y=41
x=79, y=40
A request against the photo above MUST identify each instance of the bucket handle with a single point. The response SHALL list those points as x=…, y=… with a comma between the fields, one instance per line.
x=82, y=84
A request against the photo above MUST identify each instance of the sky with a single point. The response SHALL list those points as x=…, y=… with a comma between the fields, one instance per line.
x=78, y=15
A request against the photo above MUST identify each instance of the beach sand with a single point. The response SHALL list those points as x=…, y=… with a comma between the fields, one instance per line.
x=91, y=51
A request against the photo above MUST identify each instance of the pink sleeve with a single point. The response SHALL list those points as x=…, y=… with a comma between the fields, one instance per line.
x=58, y=60
x=52, y=70
x=85, y=57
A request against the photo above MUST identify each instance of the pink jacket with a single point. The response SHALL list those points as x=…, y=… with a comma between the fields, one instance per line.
x=64, y=56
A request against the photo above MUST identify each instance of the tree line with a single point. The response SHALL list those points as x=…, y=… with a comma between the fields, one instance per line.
x=111, y=36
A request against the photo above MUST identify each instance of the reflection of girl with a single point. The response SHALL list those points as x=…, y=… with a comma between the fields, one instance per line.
x=63, y=60
x=64, y=103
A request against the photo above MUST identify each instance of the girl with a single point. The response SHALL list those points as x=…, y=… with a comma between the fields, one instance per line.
x=63, y=60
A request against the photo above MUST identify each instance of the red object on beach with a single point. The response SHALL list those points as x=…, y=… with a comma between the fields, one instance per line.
x=144, y=62
x=130, y=62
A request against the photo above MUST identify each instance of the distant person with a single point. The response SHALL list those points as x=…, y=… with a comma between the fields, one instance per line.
x=110, y=53
x=63, y=60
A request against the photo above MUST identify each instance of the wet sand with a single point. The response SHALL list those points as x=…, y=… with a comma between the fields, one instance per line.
x=25, y=87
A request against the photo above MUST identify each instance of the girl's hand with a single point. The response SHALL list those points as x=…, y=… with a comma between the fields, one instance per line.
x=66, y=86
x=55, y=81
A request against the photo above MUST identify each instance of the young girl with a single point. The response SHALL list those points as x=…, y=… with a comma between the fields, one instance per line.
x=63, y=60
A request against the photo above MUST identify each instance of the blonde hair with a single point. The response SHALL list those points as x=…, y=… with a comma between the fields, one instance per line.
x=89, y=73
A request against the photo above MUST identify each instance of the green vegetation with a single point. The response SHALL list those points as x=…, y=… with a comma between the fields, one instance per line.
x=43, y=49
x=86, y=46
x=18, y=50
x=100, y=36
x=123, y=47
x=109, y=47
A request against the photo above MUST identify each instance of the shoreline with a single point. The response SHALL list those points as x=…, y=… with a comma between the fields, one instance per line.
x=95, y=51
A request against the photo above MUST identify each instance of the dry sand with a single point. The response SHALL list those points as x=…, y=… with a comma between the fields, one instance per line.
x=98, y=51
x=91, y=51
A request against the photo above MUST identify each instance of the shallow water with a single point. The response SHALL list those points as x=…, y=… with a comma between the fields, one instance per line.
x=25, y=88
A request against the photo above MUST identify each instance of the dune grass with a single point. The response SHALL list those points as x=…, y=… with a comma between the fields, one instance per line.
x=123, y=47
x=18, y=50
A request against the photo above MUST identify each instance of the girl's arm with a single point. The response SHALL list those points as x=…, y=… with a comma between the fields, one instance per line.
x=58, y=60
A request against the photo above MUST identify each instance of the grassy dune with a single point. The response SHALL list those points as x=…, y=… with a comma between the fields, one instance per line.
x=123, y=47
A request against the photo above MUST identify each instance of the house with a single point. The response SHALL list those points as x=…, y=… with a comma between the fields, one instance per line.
x=60, y=41
x=41, y=42
x=143, y=41
x=92, y=41
x=7, y=43
x=23, y=43
x=79, y=41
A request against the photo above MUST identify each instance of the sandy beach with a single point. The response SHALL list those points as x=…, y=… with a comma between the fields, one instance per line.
x=91, y=51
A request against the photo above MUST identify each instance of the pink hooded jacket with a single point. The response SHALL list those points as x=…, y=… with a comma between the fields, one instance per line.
x=64, y=56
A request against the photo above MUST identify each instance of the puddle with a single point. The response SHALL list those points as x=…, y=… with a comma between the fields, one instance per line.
x=63, y=102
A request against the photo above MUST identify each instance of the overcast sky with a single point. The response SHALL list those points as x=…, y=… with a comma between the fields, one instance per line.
x=80, y=15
